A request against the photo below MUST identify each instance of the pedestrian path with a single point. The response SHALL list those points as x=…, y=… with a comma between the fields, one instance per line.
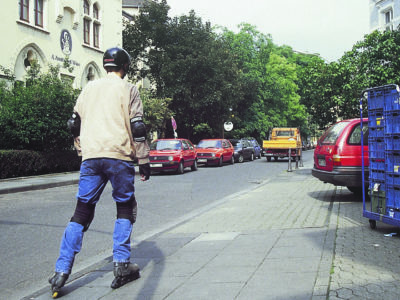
x=274, y=242
x=293, y=237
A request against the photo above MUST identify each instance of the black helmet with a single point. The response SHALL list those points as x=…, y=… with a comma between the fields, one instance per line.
x=116, y=57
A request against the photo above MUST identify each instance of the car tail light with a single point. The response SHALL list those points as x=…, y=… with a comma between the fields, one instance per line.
x=336, y=158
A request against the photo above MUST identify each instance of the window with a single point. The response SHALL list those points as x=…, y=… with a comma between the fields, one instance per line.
x=96, y=29
x=95, y=12
x=355, y=136
x=86, y=7
x=24, y=10
x=332, y=134
x=86, y=31
x=39, y=13
x=388, y=20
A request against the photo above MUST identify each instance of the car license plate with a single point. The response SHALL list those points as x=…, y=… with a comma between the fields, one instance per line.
x=156, y=165
x=322, y=162
x=201, y=160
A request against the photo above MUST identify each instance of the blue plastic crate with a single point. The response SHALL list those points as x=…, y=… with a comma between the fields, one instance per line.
x=377, y=175
x=376, y=119
x=392, y=162
x=376, y=99
x=392, y=122
x=391, y=100
x=392, y=142
x=376, y=132
x=392, y=178
x=376, y=148
x=377, y=164
x=392, y=196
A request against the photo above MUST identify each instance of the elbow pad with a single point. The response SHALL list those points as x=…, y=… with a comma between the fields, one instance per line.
x=138, y=129
x=74, y=125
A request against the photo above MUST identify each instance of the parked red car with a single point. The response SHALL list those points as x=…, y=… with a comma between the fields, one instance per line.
x=172, y=154
x=338, y=157
x=215, y=151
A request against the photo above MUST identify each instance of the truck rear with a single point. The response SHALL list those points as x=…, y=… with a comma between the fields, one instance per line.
x=281, y=140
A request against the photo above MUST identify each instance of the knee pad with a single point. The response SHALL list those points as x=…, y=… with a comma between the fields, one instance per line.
x=84, y=214
x=127, y=210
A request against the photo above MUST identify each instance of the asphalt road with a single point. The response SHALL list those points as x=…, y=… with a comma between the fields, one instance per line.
x=32, y=223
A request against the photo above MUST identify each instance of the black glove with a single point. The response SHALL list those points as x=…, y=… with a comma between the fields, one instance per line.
x=144, y=171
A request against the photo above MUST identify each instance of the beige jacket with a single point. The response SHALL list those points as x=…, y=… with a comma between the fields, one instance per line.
x=105, y=107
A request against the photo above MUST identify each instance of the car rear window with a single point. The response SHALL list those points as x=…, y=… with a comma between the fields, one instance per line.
x=209, y=144
x=165, y=145
x=331, y=135
x=236, y=143
x=285, y=133
x=355, y=136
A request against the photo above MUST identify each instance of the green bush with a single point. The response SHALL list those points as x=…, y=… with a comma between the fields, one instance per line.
x=17, y=163
x=34, y=114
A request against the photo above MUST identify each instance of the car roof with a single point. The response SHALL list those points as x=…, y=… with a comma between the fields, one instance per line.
x=171, y=139
x=212, y=139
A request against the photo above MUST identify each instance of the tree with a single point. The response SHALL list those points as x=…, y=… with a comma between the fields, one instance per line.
x=187, y=62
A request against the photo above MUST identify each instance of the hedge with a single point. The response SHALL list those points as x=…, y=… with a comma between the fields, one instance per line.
x=19, y=163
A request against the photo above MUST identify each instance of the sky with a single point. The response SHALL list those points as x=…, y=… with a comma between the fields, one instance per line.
x=327, y=27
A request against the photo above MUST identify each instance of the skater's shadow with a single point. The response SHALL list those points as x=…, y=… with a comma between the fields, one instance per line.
x=150, y=255
x=146, y=254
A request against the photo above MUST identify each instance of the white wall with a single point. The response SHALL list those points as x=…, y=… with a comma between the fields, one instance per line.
x=378, y=8
x=22, y=40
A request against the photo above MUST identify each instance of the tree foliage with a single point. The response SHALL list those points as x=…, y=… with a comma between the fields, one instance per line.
x=214, y=76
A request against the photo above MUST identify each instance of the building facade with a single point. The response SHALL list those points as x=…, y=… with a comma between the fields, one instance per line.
x=131, y=8
x=384, y=14
x=52, y=31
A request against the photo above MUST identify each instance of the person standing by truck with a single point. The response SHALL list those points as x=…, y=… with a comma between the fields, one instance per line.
x=108, y=128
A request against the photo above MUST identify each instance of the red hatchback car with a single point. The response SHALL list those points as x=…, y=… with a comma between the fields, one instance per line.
x=172, y=154
x=338, y=157
x=215, y=151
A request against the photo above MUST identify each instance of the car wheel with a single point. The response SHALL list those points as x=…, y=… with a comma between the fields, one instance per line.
x=372, y=224
x=269, y=158
x=276, y=158
x=232, y=160
x=221, y=160
x=355, y=190
x=240, y=159
x=252, y=157
x=194, y=166
x=180, y=168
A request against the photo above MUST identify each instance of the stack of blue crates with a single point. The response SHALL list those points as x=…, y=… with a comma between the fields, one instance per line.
x=384, y=148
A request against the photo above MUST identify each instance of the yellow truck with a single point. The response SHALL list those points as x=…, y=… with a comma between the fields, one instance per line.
x=281, y=140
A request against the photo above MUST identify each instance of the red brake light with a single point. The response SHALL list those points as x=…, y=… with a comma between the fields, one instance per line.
x=336, y=158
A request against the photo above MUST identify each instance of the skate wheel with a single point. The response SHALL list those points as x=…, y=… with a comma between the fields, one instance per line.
x=55, y=295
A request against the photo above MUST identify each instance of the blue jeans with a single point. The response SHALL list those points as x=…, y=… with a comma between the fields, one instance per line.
x=94, y=175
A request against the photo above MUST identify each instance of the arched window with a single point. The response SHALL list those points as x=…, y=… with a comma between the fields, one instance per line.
x=29, y=58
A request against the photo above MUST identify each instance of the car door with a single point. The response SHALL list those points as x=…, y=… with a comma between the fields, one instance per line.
x=228, y=150
x=187, y=154
x=247, y=149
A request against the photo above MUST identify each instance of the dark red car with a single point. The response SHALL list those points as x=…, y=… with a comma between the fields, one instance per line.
x=338, y=157
x=215, y=152
x=172, y=154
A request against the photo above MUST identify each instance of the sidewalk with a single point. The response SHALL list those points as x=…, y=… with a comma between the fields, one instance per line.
x=23, y=184
x=293, y=237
